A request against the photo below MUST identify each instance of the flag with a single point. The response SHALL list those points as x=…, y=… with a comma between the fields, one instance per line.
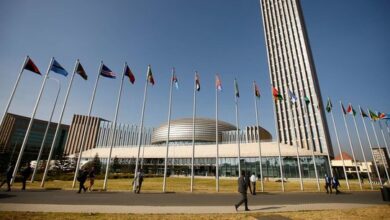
x=343, y=109
x=293, y=98
x=350, y=110
x=387, y=116
x=80, y=70
x=106, y=72
x=329, y=106
x=236, y=91
x=276, y=94
x=218, y=83
x=257, y=91
x=31, y=66
x=150, y=75
x=381, y=115
x=364, y=115
x=57, y=68
x=197, y=82
x=373, y=116
x=129, y=74
x=175, y=81
x=307, y=101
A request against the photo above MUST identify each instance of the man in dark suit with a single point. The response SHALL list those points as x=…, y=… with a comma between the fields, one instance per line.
x=26, y=172
x=242, y=189
x=8, y=177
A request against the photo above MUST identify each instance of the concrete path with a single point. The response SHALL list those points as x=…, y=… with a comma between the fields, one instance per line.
x=126, y=202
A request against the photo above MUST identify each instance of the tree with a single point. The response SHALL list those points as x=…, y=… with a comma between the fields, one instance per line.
x=97, y=164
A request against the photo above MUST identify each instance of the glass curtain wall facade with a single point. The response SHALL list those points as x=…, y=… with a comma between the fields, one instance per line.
x=292, y=68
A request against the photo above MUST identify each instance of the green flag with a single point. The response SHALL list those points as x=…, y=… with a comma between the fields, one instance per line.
x=236, y=92
x=307, y=100
x=329, y=106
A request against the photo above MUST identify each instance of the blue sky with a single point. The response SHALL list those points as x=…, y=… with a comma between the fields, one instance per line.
x=349, y=41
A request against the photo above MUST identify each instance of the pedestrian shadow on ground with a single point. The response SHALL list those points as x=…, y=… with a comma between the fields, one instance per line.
x=4, y=196
x=267, y=208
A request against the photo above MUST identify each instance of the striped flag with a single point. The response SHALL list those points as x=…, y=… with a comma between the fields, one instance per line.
x=293, y=98
x=364, y=115
x=197, y=81
x=150, y=75
x=129, y=74
x=218, y=82
x=257, y=91
x=80, y=70
x=106, y=72
x=276, y=94
x=350, y=110
x=174, y=79
x=30, y=65
x=236, y=91
x=373, y=116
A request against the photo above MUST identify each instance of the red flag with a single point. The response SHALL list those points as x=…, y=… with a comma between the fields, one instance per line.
x=129, y=74
x=31, y=66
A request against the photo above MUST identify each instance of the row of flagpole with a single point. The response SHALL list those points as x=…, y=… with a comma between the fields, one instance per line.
x=106, y=72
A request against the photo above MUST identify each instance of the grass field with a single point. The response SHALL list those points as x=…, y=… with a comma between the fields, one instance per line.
x=377, y=212
x=203, y=185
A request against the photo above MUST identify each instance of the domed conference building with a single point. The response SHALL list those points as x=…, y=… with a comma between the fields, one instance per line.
x=153, y=148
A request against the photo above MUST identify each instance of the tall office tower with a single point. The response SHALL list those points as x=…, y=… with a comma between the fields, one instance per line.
x=292, y=68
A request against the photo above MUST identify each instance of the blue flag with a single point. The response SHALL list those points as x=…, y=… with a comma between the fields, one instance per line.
x=106, y=72
x=57, y=68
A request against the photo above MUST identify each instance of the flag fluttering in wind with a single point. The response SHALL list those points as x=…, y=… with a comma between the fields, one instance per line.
x=257, y=91
x=57, y=68
x=30, y=65
x=106, y=72
x=307, y=101
x=293, y=98
x=276, y=94
x=364, y=115
x=175, y=81
x=80, y=70
x=373, y=116
x=381, y=115
x=343, y=109
x=350, y=110
x=129, y=74
x=197, y=82
x=236, y=91
x=218, y=82
x=150, y=75
x=329, y=106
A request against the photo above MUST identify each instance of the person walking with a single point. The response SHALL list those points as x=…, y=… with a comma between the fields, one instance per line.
x=253, y=180
x=139, y=178
x=8, y=177
x=328, y=184
x=91, y=176
x=26, y=172
x=83, y=174
x=336, y=184
x=243, y=189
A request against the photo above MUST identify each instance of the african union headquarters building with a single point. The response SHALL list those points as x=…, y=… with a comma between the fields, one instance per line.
x=302, y=130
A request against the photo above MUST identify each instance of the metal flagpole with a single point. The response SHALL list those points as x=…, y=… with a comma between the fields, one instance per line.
x=296, y=142
x=369, y=142
x=86, y=125
x=193, y=134
x=377, y=141
x=384, y=139
x=30, y=123
x=312, y=149
x=364, y=155
x=278, y=143
x=350, y=145
x=259, y=140
x=169, y=128
x=13, y=91
x=388, y=129
x=140, y=128
x=47, y=128
x=58, y=127
x=217, y=144
x=114, y=129
x=238, y=137
x=338, y=144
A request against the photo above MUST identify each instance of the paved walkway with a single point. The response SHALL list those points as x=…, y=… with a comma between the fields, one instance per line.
x=126, y=202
